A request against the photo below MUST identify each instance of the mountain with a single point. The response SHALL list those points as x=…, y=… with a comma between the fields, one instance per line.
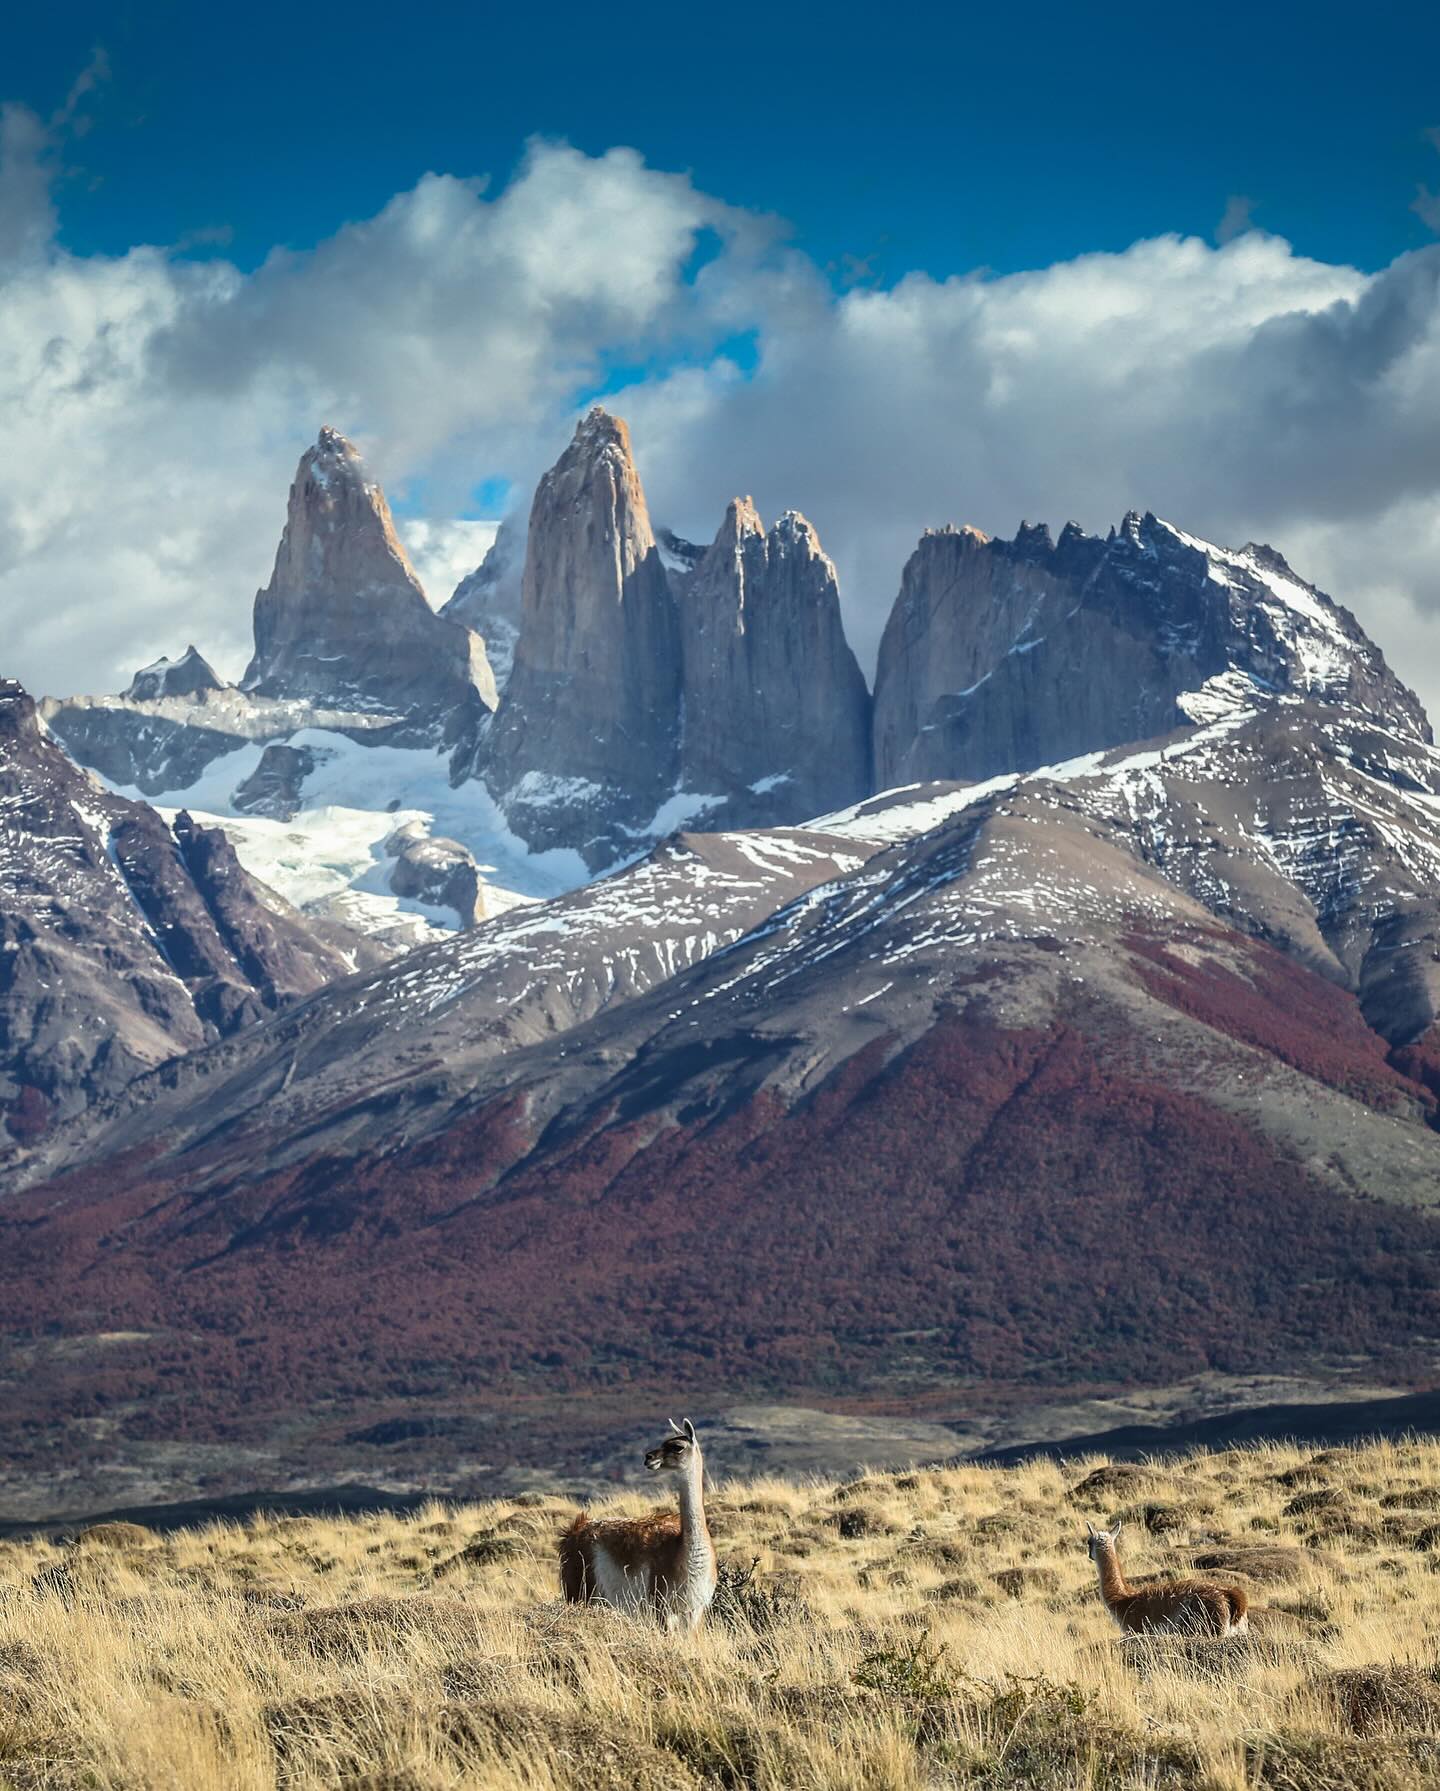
x=1069, y=1017
x=1264, y=829
x=489, y=600
x=656, y=682
x=999, y=1111
x=650, y=683
x=776, y=710
x=584, y=749
x=1004, y=655
x=1108, y=1075
x=343, y=622
x=124, y=942
x=186, y=676
x=434, y=1024
x=347, y=654
x=344, y=640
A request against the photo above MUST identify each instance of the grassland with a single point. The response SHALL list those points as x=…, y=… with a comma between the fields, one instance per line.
x=929, y=1628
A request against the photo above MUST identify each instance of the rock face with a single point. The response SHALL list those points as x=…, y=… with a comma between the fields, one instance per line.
x=1005, y=655
x=440, y=872
x=678, y=556
x=186, y=676
x=489, y=600
x=776, y=711
x=134, y=743
x=343, y=622
x=585, y=744
x=656, y=679
x=124, y=943
x=274, y=787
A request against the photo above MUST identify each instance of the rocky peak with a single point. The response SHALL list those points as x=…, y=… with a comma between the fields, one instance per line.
x=186, y=676
x=730, y=689
x=17, y=711
x=1033, y=541
x=679, y=556
x=776, y=709
x=123, y=943
x=965, y=602
x=1005, y=655
x=741, y=522
x=1269, y=557
x=723, y=566
x=794, y=533
x=488, y=600
x=344, y=621
x=599, y=435
x=584, y=744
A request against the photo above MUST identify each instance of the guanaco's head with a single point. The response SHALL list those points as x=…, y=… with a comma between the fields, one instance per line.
x=674, y=1455
x=1099, y=1539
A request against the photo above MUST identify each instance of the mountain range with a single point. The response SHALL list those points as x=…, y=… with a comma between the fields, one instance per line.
x=681, y=1017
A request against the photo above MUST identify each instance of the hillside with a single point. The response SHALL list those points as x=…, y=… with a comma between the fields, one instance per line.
x=938, y=1627
x=1000, y=1114
x=1103, y=1062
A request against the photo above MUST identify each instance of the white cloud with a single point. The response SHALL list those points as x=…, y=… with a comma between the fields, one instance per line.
x=1244, y=391
x=442, y=553
x=155, y=406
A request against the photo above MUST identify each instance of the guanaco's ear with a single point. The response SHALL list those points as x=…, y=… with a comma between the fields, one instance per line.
x=1090, y=1528
x=1119, y=1526
x=675, y=1427
x=690, y=1430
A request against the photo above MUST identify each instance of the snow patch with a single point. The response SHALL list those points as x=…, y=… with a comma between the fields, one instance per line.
x=331, y=859
x=677, y=811
x=1228, y=695
x=905, y=820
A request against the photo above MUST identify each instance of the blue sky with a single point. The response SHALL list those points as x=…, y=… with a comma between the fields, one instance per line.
x=891, y=268
x=893, y=138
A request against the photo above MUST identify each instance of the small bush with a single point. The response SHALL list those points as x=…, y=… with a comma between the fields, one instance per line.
x=1016, y=1582
x=1100, y=1486
x=1256, y=1561
x=745, y=1601
x=1310, y=1762
x=1376, y=1699
x=482, y=1551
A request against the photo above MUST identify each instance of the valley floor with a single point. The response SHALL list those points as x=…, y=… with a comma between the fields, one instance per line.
x=935, y=1627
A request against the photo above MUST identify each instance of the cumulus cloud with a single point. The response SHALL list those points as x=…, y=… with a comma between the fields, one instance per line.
x=1244, y=391
x=442, y=553
x=158, y=404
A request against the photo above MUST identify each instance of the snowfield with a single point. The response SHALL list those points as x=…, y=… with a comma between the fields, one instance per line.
x=332, y=860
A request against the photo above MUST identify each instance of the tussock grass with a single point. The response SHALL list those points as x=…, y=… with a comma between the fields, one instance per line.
x=933, y=1628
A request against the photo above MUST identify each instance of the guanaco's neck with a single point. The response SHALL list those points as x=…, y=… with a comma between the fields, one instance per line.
x=1112, y=1581
x=693, y=1528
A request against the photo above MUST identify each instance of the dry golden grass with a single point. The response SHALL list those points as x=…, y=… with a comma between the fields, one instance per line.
x=933, y=1628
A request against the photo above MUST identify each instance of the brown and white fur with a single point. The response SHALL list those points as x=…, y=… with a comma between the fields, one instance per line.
x=664, y=1563
x=1165, y=1607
